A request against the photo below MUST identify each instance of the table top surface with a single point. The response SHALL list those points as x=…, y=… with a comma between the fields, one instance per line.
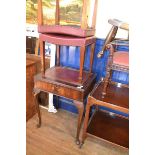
x=116, y=96
x=66, y=75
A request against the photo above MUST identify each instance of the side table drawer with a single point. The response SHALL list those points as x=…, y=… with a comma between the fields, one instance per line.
x=60, y=90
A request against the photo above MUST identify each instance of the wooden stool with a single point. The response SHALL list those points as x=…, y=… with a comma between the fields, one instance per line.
x=62, y=25
x=63, y=81
x=67, y=41
x=112, y=33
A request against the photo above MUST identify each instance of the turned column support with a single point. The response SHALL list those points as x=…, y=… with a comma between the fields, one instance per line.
x=42, y=54
x=108, y=68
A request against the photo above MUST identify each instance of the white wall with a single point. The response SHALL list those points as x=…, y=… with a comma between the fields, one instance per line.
x=107, y=9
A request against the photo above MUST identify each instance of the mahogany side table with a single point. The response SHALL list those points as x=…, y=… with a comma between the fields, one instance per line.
x=102, y=124
x=63, y=81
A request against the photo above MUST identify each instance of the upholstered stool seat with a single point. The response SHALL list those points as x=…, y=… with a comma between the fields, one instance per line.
x=121, y=58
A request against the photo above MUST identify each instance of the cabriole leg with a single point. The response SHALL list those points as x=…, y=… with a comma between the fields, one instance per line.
x=80, y=107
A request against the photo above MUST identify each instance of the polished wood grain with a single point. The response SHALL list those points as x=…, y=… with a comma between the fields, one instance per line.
x=56, y=137
x=116, y=98
x=36, y=93
x=30, y=104
x=68, y=75
x=110, y=127
x=37, y=60
x=64, y=81
x=43, y=96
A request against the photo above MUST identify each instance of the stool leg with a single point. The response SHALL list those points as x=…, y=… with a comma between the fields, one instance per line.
x=80, y=107
x=82, y=58
x=58, y=55
x=92, y=56
x=42, y=54
x=85, y=123
x=36, y=93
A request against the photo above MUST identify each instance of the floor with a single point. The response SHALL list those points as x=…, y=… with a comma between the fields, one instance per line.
x=57, y=137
